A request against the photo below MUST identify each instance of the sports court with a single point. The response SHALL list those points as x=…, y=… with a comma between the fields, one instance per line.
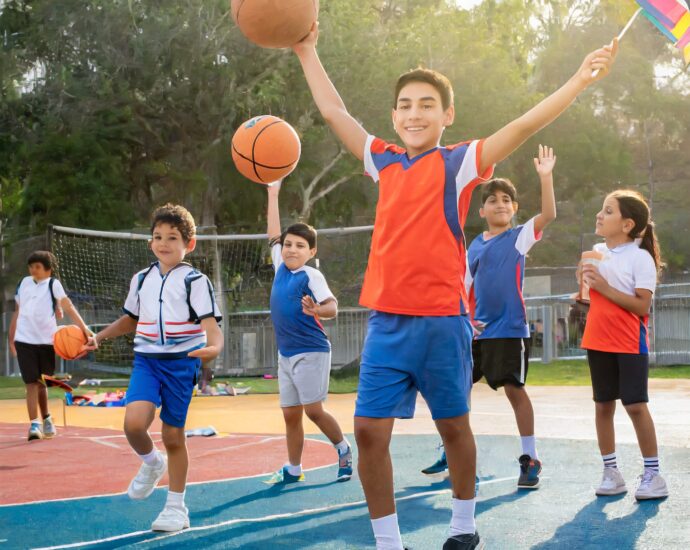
x=75, y=483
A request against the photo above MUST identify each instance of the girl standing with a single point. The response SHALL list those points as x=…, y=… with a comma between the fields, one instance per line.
x=616, y=334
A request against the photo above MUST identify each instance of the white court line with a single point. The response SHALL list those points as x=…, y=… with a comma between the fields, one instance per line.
x=273, y=517
x=163, y=486
x=233, y=447
x=100, y=442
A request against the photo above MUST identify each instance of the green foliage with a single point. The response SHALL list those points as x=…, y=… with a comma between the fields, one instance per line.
x=110, y=107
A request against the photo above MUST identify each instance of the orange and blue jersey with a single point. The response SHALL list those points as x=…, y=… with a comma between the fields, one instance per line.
x=494, y=280
x=296, y=332
x=610, y=327
x=417, y=260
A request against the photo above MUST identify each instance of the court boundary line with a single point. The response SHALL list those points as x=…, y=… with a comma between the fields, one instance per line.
x=67, y=499
x=308, y=511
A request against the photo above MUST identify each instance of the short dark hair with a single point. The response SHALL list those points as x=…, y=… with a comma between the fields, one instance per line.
x=307, y=232
x=439, y=81
x=47, y=259
x=498, y=184
x=178, y=217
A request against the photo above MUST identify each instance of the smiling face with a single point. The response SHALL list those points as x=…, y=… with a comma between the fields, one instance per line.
x=419, y=117
x=296, y=251
x=498, y=209
x=610, y=223
x=168, y=245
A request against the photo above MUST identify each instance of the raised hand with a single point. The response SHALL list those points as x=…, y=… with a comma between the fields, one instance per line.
x=546, y=161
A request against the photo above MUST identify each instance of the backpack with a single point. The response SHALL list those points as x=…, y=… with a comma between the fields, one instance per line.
x=50, y=289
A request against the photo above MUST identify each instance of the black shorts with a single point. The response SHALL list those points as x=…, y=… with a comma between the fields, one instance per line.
x=621, y=376
x=35, y=360
x=501, y=361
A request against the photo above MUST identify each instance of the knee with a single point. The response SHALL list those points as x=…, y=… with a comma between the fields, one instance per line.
x=314, y=414
x=607, y=408
x=292, y=416
x=636, y=409
x=135, y=426
x=369, y=438
x=174, y=440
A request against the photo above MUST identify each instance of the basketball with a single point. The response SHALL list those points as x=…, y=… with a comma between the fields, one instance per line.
x=275, y=23
x=68, y=341
x=265, y=149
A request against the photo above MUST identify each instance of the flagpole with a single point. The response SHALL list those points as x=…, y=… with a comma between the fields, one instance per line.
x=622, y=33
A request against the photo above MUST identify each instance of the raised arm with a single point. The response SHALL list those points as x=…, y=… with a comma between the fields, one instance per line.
x=544, y=165
x=501, y=144
x=273, y=210
x=326, y=97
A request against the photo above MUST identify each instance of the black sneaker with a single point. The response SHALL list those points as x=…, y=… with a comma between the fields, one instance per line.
x=464, y=542
x=530, y=468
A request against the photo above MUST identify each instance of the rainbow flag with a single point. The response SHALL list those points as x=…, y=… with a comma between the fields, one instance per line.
x=672, y=18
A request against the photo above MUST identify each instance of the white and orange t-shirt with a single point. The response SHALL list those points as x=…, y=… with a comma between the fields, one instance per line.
x=610, y=327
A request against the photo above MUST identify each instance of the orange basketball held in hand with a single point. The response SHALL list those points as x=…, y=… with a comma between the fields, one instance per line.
x=275, y=23
x=265, y=149
x=68, y=341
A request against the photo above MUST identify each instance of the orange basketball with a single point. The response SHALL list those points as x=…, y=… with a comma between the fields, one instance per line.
x=275, y=23
x=68, y=341
x=265, y=149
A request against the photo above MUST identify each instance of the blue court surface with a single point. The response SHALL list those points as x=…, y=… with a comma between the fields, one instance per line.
x=323, y=514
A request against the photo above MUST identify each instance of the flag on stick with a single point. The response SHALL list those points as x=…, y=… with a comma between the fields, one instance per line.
x=672, y=18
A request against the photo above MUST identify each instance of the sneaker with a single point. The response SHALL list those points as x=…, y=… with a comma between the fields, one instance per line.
x=612, y=483
x=530, y=468
x=652, y=486
x=146, y=479
x=464, y=542
x=438, y=467
x=49, y=429
x=345, y=465
x=283, y=477
x=35, y=431
x=171, y=519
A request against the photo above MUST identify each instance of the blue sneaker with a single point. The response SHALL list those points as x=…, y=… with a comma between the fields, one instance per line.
x=283, y=477
x=438, y=467
x=35, y=431
x=530, y=468
x=345, y=465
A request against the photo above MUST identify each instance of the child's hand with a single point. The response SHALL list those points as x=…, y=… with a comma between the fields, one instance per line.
x=207, y=353
x=599, y=61
x=13, y=349
x=59, y=313
x=594, y=279
x=308, y=42
x=309, y=306
x=546, y=161
x=91, y=343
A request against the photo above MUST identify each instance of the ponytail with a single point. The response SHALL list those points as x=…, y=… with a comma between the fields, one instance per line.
x=633, y=206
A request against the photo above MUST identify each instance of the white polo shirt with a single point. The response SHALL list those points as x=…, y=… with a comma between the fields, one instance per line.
x=169, y=308
x=36, y=323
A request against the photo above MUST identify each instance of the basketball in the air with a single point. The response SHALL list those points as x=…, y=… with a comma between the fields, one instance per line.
x=265, y=149
x=68, y=341
x=275, y=23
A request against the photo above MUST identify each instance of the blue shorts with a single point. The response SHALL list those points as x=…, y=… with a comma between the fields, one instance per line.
x=167, y=383
x=404, y=354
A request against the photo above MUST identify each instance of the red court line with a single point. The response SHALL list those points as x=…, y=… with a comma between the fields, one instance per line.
x=84, y=462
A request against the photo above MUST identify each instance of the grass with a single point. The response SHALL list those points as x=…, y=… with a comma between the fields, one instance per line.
x=556, y=373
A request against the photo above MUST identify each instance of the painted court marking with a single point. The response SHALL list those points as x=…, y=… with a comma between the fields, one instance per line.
x=273, y=517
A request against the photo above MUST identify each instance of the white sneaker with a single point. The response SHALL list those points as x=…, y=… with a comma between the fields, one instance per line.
x=612, y=483
x=652, y=486
x=171, y=519
x=49, y=429
x=35, y=431
x=146, y=479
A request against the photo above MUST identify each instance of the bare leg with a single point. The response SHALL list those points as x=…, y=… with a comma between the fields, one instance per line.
x=522, y=407
x=178, y=460
x=294, y=433
x=644, y=428
x=606, y=435
x=32, y=399
x=375, y=468
x=461, y=454
x=138, y=418
x=325, y=421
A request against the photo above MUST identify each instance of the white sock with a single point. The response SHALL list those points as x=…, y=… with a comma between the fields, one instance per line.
x=294, y=470
x=342, y=446
x=529, y=445
x=387, y=533
x=462, y=521
x=176, y=500
x=153, y=458
x=36, y=420
x=610, y=460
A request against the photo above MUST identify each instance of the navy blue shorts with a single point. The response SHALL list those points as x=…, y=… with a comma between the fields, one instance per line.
x=167, y=383
x=404, y=354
